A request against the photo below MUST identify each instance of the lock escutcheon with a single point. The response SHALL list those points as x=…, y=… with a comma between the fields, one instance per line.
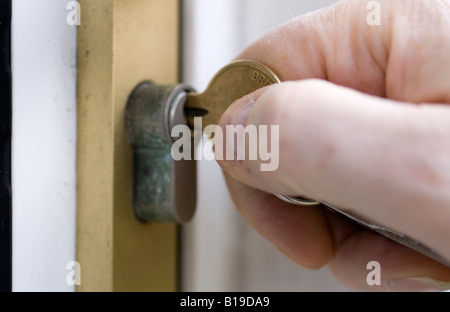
x=164, y=189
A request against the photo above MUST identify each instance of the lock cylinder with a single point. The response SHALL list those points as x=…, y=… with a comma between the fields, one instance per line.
x=164, y=190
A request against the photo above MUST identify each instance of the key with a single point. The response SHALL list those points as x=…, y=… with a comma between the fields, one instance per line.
x=230, y=84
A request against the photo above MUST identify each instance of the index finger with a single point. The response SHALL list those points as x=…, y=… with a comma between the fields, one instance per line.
x=338, y=44
x=325, y=45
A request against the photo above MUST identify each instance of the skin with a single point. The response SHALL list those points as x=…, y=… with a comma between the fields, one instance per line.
x=364, y=125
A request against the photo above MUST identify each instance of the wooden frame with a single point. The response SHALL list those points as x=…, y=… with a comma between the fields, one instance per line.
x=120, y=43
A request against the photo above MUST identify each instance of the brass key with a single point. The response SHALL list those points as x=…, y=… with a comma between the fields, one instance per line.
x=230, y=84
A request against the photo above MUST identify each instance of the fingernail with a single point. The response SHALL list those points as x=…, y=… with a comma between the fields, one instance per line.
x=241, y=110
x=418, y=285
x=242, y=116
x=237, y=114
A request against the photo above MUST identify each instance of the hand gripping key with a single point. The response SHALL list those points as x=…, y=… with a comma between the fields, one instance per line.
x=154, y=110
x=243, y=77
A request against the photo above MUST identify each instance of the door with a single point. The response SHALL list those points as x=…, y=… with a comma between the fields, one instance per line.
x=120, y=44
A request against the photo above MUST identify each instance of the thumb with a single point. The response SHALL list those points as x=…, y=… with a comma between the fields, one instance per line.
x=384, y=160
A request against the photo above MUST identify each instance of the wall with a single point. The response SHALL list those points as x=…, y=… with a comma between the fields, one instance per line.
x=43, y=145
x=220, y=251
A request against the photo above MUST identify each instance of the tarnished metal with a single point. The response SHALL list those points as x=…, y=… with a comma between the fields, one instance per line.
x=164, y=189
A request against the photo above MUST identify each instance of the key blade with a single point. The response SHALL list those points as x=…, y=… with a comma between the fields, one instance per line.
x=194, y=107
x=230, y=84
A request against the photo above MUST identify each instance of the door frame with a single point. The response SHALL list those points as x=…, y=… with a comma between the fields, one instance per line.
x=120, y=43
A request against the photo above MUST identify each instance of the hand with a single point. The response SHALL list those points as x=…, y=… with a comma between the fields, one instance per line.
x=365, y=126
